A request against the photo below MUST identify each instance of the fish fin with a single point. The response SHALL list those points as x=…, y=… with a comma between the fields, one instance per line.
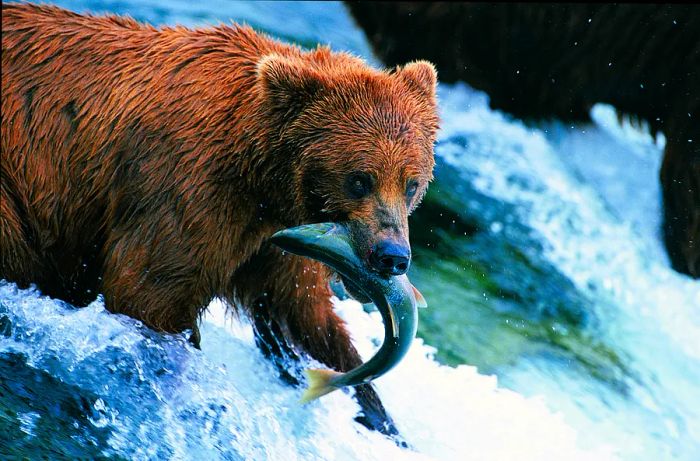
x=420, y=300
x=319, y=384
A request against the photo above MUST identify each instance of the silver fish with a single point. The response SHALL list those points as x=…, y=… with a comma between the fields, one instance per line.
x=395, y=298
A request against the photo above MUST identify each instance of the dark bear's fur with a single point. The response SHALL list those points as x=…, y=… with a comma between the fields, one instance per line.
x=151, y=165
x=557, y=60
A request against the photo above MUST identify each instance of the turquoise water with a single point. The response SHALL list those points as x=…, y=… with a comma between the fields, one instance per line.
x=556, y=329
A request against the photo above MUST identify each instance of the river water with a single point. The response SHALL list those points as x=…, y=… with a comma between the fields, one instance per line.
x=556, y=329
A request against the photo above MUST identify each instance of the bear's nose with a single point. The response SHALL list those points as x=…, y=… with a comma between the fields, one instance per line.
x=390, y=258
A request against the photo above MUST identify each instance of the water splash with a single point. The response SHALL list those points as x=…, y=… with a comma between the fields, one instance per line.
x=642, y=309
x=150, y=396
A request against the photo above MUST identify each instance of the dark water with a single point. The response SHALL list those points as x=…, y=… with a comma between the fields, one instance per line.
x=537, y=250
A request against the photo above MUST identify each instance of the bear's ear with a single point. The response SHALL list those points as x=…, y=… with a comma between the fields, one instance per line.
x=420, y=75
x=288, y=84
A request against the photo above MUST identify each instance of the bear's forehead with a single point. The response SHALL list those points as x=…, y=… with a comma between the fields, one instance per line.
x=382, y=129
x=373, y=123
x=377, y=132
x=387, y=117
x=385, y=155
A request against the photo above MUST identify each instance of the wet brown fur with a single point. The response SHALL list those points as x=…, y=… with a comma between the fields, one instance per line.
x=557, y=60
x=152, y=164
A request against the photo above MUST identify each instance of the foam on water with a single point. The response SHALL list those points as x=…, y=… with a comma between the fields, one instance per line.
x=642, y=307
x=160, y=398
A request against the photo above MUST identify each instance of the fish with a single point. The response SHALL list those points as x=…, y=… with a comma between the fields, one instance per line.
x=395, y=297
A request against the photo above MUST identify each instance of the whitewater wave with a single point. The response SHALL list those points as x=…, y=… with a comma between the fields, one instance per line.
x=153, y=396
x=589, y=196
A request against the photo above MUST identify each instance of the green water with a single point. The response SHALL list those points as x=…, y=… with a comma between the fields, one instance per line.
x=493, y=302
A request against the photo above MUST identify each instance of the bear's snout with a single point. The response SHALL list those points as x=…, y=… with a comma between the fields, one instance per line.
x=389, y=257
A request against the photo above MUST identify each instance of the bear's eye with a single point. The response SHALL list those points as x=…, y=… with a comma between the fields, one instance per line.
x=411, y=188
x=359, y=185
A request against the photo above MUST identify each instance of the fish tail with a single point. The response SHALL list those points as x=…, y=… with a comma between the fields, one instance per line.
x=319, y=384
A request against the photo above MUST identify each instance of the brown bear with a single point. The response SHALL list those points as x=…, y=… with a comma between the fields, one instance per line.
x=557, y=60
x=151, y=165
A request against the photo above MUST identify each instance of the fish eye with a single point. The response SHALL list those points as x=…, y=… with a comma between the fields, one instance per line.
x=411, y=188
x=359, y=185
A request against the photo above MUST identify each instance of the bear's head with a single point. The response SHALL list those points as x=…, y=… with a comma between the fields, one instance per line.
x=360, y=143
